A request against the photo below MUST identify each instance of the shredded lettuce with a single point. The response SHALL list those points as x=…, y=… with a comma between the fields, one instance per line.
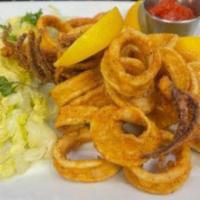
x=10, y=69
x=7, y=169
x=25, y=132
x=18, y=27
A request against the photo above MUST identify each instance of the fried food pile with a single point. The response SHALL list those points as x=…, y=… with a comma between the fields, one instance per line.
x=137, y=101
x=39, y=48
x=142, y=82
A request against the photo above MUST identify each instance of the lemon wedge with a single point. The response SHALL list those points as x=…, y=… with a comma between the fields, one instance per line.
x=97, y=38
x=131, y=19
x=190, y=45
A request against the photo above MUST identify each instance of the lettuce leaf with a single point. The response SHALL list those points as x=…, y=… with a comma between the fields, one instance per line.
x=25, y=132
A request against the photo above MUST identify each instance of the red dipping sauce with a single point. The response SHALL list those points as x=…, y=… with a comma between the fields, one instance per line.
x=171, y=10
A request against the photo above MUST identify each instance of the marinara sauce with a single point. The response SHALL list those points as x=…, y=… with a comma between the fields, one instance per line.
x=171, y=10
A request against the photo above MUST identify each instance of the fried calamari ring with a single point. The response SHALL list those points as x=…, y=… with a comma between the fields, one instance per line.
x=66, y=39
x=195, y=76
x=116, y=146
x=114, y=72
x=176, y=68
x=63, y=73
x=195, y=89
x=79, y=26
x=80, y=170
x=90, y=63
x=194, y=86
x=68, y=32
x=133, y=59
x=48, y=43
x=74, y=118
x=145, y=103
x=96, y=97
x=75, y=115
x=195, y=145
x=163, y=40
x=83, y=170
x=77, y=22
x=164, y=113
x=81, y=21
x=76, y=86
x=166, y=181
x=188, y=109
x=53, y=21
x=66, y=130
x=164, y=87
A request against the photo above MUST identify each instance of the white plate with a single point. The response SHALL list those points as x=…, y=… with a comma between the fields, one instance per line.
x=41, y=182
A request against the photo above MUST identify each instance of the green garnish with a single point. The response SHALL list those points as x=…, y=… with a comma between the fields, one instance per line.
x=2, y=26
x=6, y=88
x=12, y=37
x=32, y=18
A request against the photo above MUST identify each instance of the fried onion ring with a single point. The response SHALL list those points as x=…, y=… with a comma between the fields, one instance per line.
x=80, y=170
x=112, y=142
